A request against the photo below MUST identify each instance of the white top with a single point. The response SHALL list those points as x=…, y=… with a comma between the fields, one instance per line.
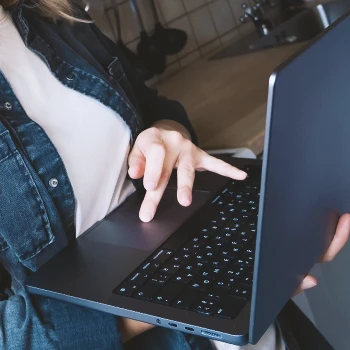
x=92, y=140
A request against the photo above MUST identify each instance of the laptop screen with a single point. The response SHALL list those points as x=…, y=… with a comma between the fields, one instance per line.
x=305, y=182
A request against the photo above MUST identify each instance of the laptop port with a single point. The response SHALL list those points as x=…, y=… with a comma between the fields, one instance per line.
x=211, y=334
x=172, y=324
x=189, y=329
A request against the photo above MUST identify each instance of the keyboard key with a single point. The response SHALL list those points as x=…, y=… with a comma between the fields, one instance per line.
x=244, y=259
x=194, y=266
x=162, y=255
x=139, y=277
x=219, y=245
x=200, y=282
x=227, y=236
x=238, y=274
x=248, y=280
x=226, y=253
x=236, y=243
x=170, y=268
x=208, y=256
x=187, y=298
x=126, y=289
x=204, y=273
x=226, y=189
x=218, y=201
x=220, y=262
x=183, y=276
x=247, y=233
x=229, y=271
x=225, y=281
x=147, y=291
x=205, y=307
x=150, y=267
x=242, y=291
x=229, y=308
x=236, y=250
x=190, y=248
x=237, y=267
x=215, y=272
x=249, y=250
x=208, y=248
x=213, y=228
x=176, y=260
x=216, y=293
x=168, y=293
x=231, y=227
x=219, y=236
x=220, y=219
x=160, y=277
x=201, y=257
x=211, y=273
x=185, y=256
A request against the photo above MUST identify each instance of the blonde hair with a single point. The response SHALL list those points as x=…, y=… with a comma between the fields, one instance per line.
x=53, y=9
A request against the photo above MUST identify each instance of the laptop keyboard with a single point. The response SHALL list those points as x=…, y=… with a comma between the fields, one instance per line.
x=211, y=272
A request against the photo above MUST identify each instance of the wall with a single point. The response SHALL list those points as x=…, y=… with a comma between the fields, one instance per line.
x=209, y=24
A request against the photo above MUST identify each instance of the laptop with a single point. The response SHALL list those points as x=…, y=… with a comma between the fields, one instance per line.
x=224, y=267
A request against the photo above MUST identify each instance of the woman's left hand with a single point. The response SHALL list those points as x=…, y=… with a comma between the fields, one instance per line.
x=340, y=238
x=160, y=149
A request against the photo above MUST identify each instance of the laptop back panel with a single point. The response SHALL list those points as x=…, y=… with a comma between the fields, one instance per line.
x=305, y=181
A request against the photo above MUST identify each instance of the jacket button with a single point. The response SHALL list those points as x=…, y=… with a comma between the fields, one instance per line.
x=8, y=105
x=70, y=77
x=53, y=183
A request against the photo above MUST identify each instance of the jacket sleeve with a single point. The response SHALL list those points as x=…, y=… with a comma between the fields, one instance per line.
x=153, y=106
x=33, y=323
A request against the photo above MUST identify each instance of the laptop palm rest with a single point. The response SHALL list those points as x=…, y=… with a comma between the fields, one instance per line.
x=124, y=228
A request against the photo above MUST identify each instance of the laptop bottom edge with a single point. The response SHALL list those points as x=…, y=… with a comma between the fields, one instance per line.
x=156, y=320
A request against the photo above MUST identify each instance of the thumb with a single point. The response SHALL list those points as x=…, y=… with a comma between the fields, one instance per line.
x=308, y=282
x=137, y=163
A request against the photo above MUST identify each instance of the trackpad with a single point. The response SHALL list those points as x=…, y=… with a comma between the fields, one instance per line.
x=124, y=228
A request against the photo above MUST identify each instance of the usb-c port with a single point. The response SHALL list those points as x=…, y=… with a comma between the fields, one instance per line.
x=172, y=324
x=189, y=329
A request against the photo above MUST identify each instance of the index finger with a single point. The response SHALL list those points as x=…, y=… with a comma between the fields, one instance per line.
x=340, y=238
x=220, y=167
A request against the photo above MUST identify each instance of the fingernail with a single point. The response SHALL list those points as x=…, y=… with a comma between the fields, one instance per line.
x=146, y=216
x=186, y=200
x=244, y=174
x=308, y=285
x=150, y=186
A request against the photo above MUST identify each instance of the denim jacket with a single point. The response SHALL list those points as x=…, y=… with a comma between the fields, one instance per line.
x=37, y=203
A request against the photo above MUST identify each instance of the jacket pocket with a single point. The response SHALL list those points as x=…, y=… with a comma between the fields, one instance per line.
x=24, y=222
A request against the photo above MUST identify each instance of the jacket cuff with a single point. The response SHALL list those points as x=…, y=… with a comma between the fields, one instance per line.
x=172, y=110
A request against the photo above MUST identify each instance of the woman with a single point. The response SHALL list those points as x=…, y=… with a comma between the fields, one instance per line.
x=70, y=111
